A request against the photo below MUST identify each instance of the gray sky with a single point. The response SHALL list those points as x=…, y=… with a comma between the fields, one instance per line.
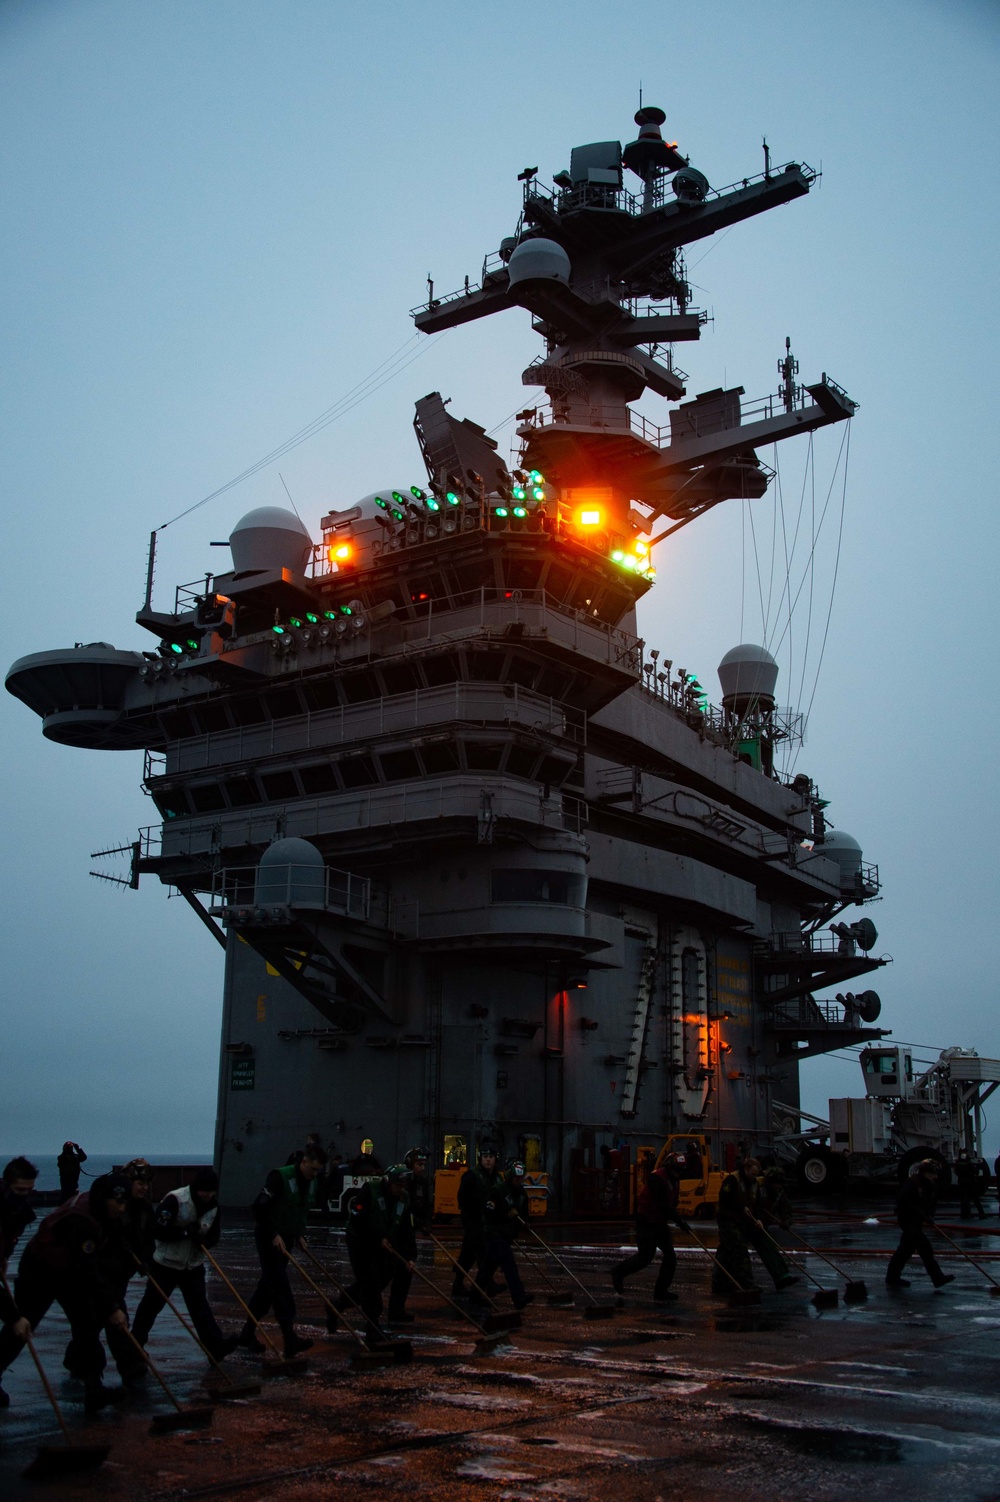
x=216, y=215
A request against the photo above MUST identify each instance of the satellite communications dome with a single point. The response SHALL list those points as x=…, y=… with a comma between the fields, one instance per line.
x=748, y=675
x=538, y=260
x=291, y=871
x=269, y=538
x=846, y=852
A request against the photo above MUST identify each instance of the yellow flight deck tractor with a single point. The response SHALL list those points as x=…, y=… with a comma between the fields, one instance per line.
x=448, y=1177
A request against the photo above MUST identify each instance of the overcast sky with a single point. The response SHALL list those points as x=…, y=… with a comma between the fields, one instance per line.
x=216, y=215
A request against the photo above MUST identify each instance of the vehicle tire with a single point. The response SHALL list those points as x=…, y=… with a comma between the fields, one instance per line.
x=917, y=1155
x=819, y=1171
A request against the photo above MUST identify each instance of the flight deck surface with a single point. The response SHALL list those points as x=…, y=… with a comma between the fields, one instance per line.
x=894, y=1396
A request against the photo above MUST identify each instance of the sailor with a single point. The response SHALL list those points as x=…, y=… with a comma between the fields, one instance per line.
x=656, y=1207
x=506, y=1213
x=61, y=1264
x=382, y=1245
x=969, y=1179
x=914, y=1208
x=186, y=1221
x=366, y=1165
x=16, y=1215
x=280, y=1215
x=68, y=1164
x=775, y=1206
x=741, y=1214
x=129, y=1242
x=420, y=1188
x=474, y=1189
x=692, y=1162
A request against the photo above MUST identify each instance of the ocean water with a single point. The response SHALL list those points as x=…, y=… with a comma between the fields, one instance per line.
x=98, y=1163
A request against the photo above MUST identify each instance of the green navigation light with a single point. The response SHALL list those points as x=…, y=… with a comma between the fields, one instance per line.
x=519, y=492
x=420, y=495
x=346, y=610
x=293, y=620
x=538, y=493
x=452, y=498
x=314, y=619
x=432, y=504
x=535, y=476
x=520, y=511
x=278, y=630
x=193, y=644
x=500, y=511
x=329, y=615
x=382, y=503
x=175, y=646
x=617, y=555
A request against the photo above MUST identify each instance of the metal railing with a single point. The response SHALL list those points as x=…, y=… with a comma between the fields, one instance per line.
x=280, y=886
x=423, y=708
x=808, y=1013
x=202, y=838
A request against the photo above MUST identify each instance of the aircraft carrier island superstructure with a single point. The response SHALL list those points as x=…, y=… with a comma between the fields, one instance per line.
x=482, y=861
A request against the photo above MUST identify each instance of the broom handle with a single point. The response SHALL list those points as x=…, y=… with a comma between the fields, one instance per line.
x=539, y=1267
x=243, y=1304
x=965, y=1254
x=147, y=1358
x=558, y=1259
x=455, y=1263
x=734, y=1280
x=805, y=1269
x=439, y=1291
x=41, y=1370
x=809, y=1248
x=174, y=1310
x=337, y=1285
x=328, y=1302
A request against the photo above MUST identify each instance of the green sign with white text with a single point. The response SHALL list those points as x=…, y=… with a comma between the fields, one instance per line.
x=242, y=1073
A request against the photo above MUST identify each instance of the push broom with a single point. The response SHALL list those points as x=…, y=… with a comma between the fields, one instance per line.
x=227, y=1388
x=269, y=1368
x=190, y=1416
x=512, y=1321
x=595, y=1309
x=59, y=1460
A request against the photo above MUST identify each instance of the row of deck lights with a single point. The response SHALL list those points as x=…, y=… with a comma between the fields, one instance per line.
x=526, y=496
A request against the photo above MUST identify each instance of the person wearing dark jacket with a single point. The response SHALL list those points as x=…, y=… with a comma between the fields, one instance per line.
x=68, y=1164
x=16, y=1215
x=185, y=1223
x=655, y=1209
x=62, y=1264
x=914, y=1208
x=742, y=1214
x=969, y=1181
x=129, y=1241
x=506, y=1214
x=474, y=1189
x=420, y=1188
x=280, y=1214
x=382, y=1246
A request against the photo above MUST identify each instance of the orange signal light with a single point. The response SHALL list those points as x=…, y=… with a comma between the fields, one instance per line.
x=589, y=518
x=341, y=553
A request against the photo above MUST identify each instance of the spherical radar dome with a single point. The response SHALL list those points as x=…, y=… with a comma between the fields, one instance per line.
x=843, y=848
x=270, y=538
x=538, y=260
x=747, y=672
x=291, y=871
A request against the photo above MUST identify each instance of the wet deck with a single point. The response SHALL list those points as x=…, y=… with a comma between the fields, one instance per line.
x=896, y=1396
